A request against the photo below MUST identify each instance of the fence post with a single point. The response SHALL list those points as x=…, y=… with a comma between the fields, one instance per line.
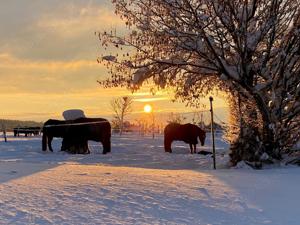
x=4, y=133
x=153, y=125
x=212, y=130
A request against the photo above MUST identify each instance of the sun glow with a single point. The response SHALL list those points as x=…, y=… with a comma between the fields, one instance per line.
x=148, y=108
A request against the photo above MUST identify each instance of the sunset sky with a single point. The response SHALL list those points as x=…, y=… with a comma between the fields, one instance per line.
x=48, y=54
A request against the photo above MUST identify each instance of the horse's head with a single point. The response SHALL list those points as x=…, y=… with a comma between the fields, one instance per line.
x=202, y=136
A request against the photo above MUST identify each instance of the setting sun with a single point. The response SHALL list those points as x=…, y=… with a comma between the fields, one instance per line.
x=147, y=108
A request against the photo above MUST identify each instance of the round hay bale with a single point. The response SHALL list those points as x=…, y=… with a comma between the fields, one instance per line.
x=73, y=114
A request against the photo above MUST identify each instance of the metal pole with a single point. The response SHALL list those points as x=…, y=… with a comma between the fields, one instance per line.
x=212, y=130
x=153, y=124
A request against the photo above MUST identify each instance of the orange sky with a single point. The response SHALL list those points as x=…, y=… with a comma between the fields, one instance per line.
x=48, y=54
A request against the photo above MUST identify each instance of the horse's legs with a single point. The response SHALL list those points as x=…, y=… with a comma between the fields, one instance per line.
x=88, y=150
x=64, y=145
x=195, y=151
x=106, y=146
x=86, y=147
x=44, y=142
x=191, y=148
x=50, y=138
x=167, y=145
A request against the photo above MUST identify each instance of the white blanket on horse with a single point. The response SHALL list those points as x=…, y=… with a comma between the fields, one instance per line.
x=73, y=114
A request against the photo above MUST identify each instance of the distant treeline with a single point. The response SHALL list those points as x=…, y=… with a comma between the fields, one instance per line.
x=11, y=124
x=217, y=126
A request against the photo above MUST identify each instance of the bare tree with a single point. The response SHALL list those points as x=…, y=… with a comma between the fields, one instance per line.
x=176, y=118
x=247, y=47
x=121, y=107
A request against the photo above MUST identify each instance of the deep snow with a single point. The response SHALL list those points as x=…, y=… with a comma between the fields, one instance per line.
x=139, y=184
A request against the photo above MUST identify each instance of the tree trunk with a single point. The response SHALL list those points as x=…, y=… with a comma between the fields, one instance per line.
x=121, y=126
x=268, y=138
x=256, y=143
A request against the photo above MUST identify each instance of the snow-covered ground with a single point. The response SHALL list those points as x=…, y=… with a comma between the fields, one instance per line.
x=138, y=183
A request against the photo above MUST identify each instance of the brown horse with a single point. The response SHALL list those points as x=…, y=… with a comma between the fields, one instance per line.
x=188, y=133
x=51, y=129
x=76, y=133
x=85, y=129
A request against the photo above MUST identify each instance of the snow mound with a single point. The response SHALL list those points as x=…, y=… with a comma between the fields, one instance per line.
x=138, y=183
x=243, y=165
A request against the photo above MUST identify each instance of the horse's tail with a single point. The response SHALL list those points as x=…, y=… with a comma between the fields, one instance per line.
x=44, y=141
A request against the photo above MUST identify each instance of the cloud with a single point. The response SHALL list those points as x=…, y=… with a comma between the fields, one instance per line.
x=55, y=30
x=48, y=54
x=151, y=99
x=27, y=76
x=49, y=46
x=80, y=20
x=8, y=61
